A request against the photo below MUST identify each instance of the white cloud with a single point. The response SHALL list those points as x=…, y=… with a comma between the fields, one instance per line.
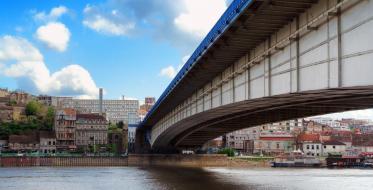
x=18, y=49
x=25, y=63
x=171, y=71
x=55, y=35
x=182, y=23
x=185, y=59
x=54, y=14
x=104, y=25
x=200, y=16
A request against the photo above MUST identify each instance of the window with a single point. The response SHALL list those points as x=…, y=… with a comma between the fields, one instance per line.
x=313, y=147
x=317, y=147
x=277, y=145
x=324, y=146
x=308, y=146
x=333, y=147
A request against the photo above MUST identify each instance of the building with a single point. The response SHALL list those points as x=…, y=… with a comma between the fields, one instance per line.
x=46, y=100
x=309, y=144
x=325, y=121
x=131, y=137
x=119, y=139
x=149, y=103
x=21, y=98
x=4, y=92
x=243, y=140
x=366, y=147
x=24, y=143
x=287, y=125
x=274, y=143
x=332, y=147
x=6, y=113
x=236, y=139
x=11, y=113
x=47, y=142
x=90, y=130
x=65, y=127
x=363, y=142
x=3, y=144
x=116, y=110
x=145, y=108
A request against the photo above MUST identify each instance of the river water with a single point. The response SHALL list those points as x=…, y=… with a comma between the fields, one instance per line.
x=132, y=178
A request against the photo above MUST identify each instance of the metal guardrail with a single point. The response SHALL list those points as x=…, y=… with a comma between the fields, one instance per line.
x=233, y=11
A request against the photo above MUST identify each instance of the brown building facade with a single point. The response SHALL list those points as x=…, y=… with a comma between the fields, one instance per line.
x=91, y=129
x=65, y=129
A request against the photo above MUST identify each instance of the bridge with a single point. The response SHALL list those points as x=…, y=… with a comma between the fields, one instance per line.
x=265, y=61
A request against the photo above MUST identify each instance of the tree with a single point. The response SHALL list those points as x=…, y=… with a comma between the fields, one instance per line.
x=49, y=118
x=228, y=151
x=12, y=103
x=120, y=124
x=33, y=108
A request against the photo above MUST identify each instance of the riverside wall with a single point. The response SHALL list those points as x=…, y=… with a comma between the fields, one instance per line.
x=62, y=161
x=182, y=160
x=136, y=160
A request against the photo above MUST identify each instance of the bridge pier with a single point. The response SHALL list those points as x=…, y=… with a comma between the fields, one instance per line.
x=142, y=144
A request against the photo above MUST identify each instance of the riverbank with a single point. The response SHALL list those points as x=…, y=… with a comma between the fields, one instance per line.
x=141, y=160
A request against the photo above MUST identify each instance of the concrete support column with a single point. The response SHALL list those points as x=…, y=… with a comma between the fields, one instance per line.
x=269, y=67
x=339, y=36
x=297, y=55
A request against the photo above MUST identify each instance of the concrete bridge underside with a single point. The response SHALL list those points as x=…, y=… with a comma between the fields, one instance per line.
x=277, y=60
x=201, y=127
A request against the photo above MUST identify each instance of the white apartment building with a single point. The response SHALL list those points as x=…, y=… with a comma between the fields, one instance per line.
x=115, y=110
x=312, y=148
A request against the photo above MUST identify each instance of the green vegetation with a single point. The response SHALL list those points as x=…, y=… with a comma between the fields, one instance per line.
x=112, y=148
x=120, y=124
x=228, y=151
x=12, y=103
x=116, y=127
x=38, y=117
x=33, y=108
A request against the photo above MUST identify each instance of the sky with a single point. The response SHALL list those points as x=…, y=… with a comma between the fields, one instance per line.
x=130, y=48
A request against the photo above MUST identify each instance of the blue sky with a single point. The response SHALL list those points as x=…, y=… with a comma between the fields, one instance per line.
x=128, y=47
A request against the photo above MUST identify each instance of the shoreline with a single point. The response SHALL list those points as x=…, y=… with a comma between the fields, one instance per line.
x=212, y=160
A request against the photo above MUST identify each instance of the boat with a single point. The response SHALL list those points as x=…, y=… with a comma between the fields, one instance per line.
x=295, y=159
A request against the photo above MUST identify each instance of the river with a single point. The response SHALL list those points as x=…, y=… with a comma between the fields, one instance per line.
x=132, y=178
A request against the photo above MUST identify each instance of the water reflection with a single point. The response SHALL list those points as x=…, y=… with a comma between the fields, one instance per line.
x=171, y=178
x=192, y=178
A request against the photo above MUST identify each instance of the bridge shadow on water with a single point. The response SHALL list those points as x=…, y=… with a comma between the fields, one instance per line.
x=185, y=178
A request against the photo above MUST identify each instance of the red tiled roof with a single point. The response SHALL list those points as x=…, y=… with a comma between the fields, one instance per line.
x=308, y=137
x=69, y=111
x=90, y=116
x=31, y=138
x=277, y=138
x=47, y=134
x=368, y=143
x=333, y=142
x=360, y=139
